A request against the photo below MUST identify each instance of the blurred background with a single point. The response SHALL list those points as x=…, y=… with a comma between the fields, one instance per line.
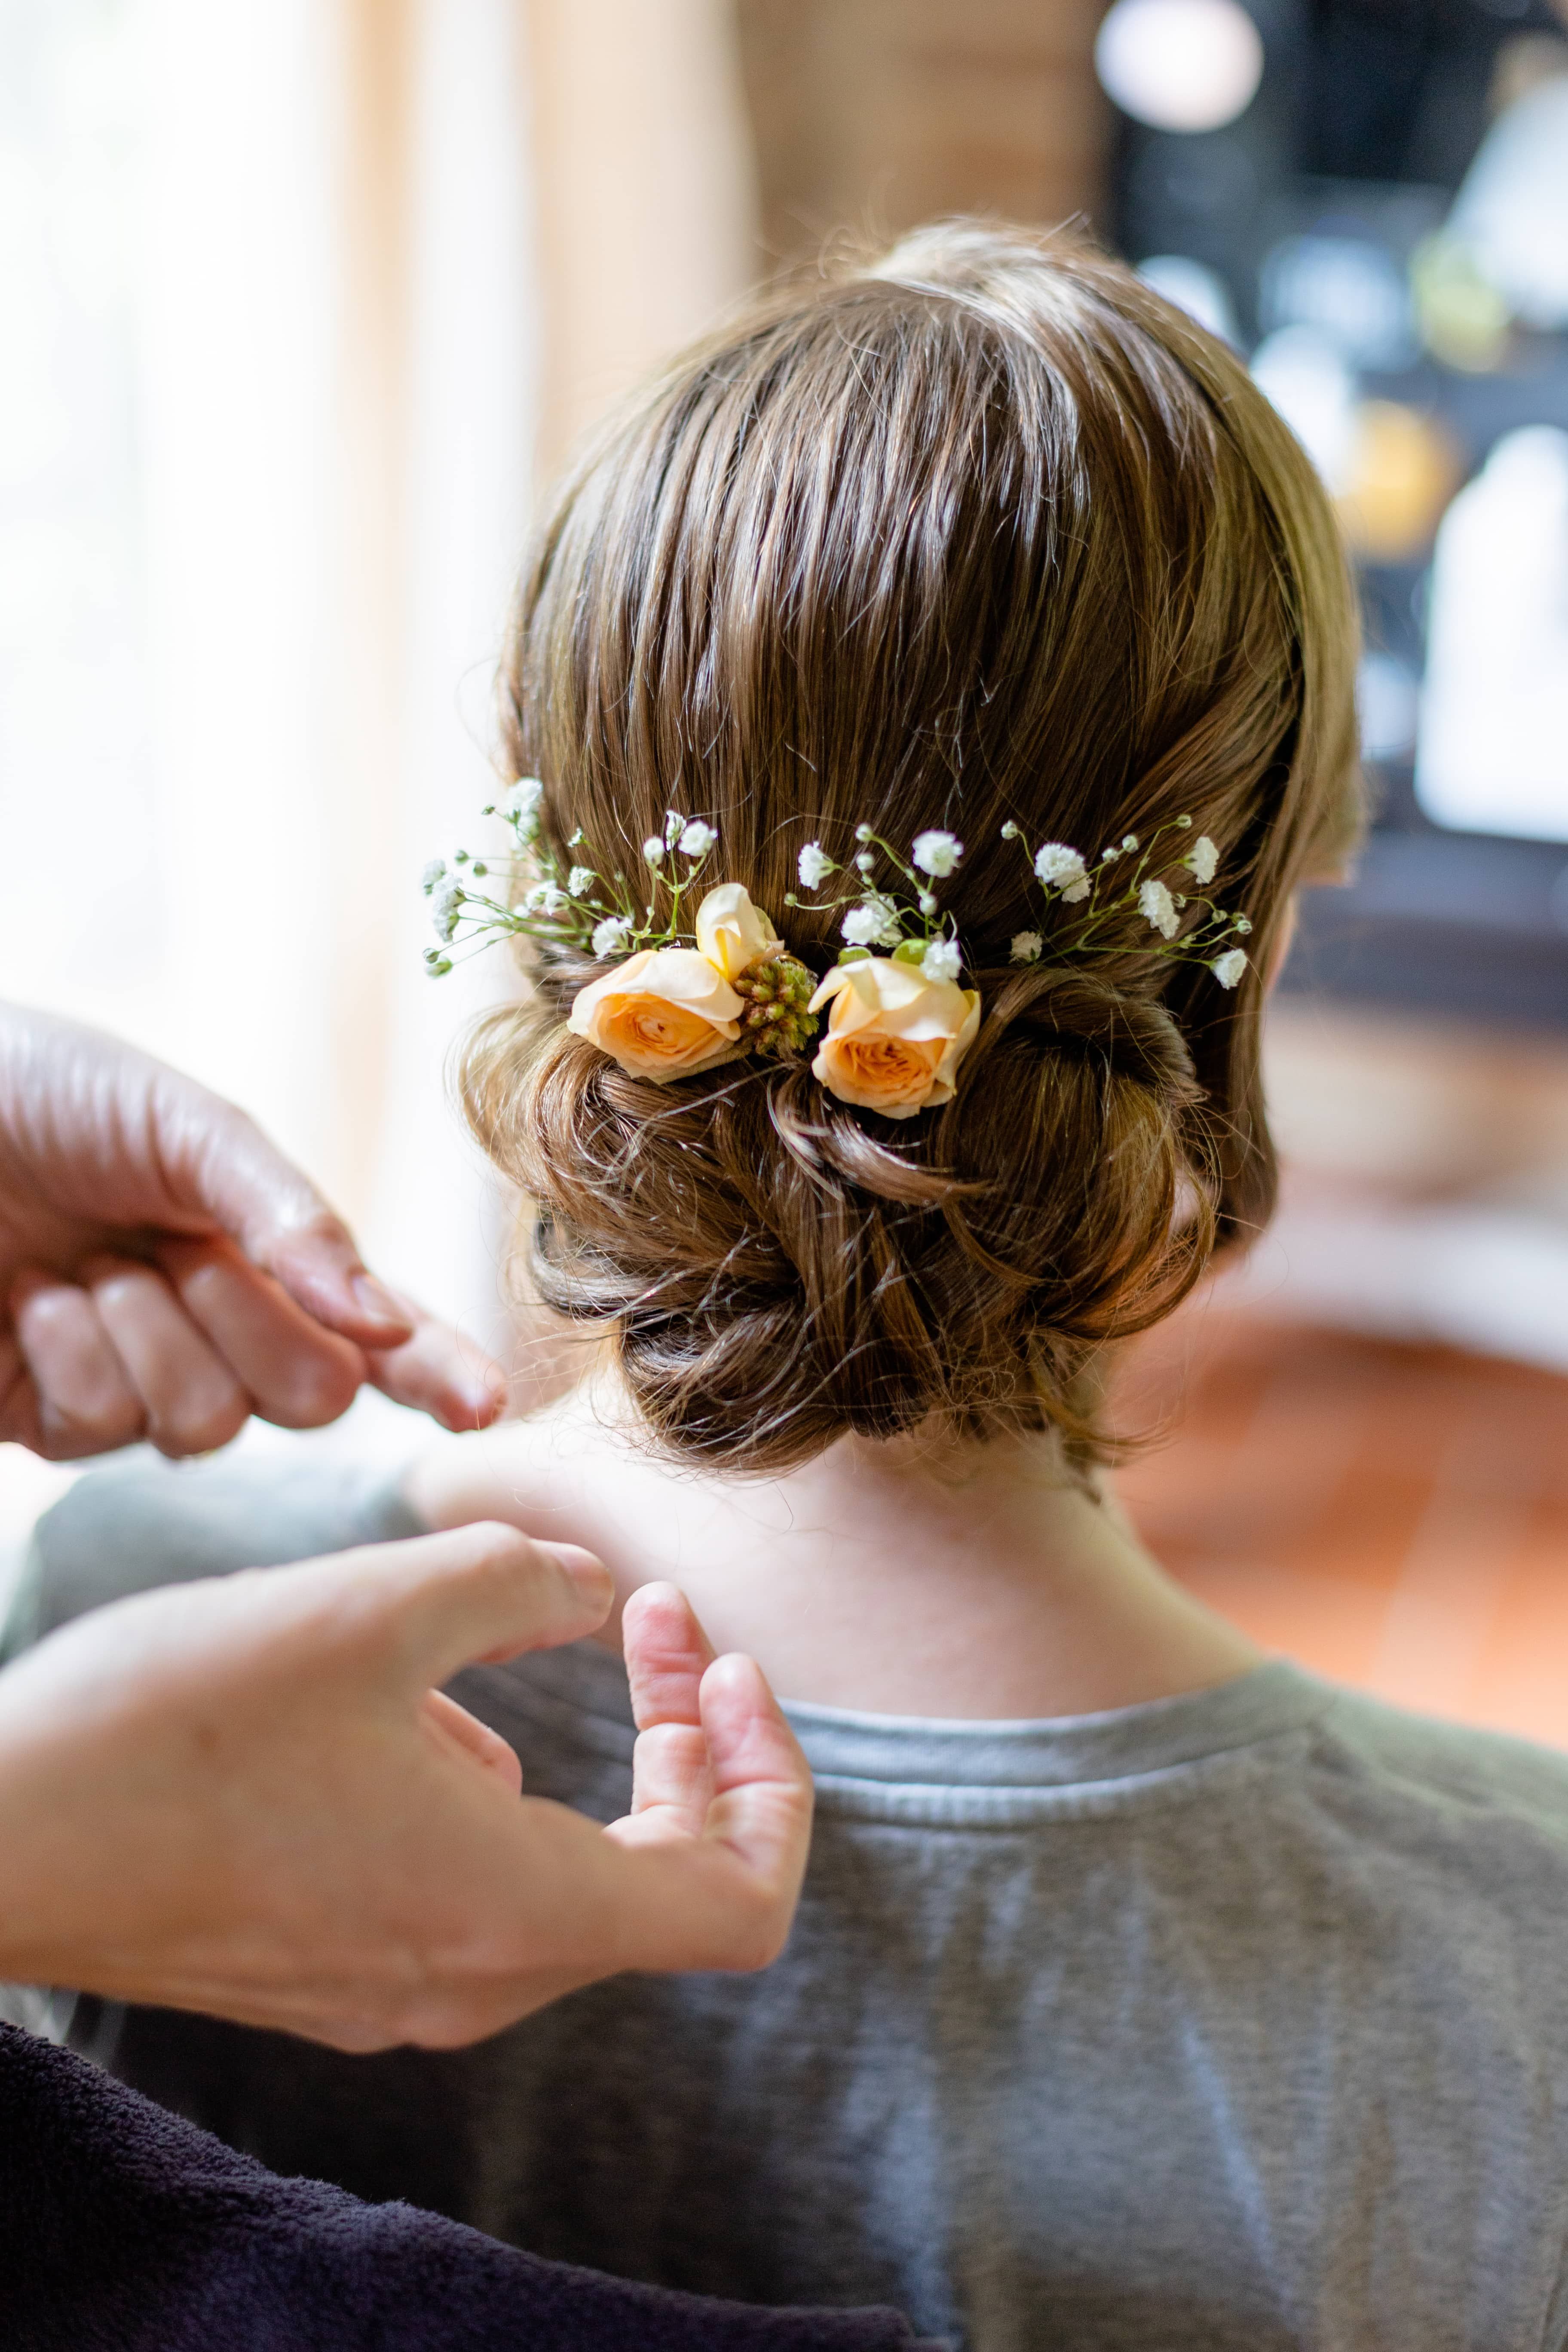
x=301, y=301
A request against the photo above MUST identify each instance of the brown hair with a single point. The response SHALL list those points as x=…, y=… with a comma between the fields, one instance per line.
x=980, y=530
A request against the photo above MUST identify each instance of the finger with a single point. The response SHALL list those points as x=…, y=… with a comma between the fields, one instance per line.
x=726, y=1899
x=672, y=1781
x=443, y=1372
x=215, y=1160
x=218, y=1160
x=480, y=1593
x=83, y=1400
x=319, y=1263
x=727, y=1896
x=667, y=1655
x=298, y=1374
x=19, y=1397
x=193, y=1400
x=463, y=1734
x=762, y=1792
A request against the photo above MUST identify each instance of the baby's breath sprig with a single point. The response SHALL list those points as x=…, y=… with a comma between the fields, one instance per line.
x=879, y=914
x=1111, y=891
x=582, y=906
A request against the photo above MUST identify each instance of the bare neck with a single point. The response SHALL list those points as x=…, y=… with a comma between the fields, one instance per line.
x=900, y=1578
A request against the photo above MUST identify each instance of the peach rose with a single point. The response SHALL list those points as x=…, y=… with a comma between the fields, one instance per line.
x=895, y=1039
x=663, y=1014
x=732, y=933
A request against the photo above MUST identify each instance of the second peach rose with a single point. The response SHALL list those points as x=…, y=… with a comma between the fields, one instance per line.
x=895, y=1039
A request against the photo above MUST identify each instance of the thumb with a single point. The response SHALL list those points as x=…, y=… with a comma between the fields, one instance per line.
x=218, y=1161
x=317, y=1261
x=478, y=1593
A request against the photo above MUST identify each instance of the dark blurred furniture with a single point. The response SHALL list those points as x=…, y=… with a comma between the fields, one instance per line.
x=1368, y=116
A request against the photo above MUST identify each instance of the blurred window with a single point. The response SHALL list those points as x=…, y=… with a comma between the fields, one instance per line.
x=81, y=912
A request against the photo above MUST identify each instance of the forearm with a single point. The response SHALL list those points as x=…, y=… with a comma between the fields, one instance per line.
x=49, y=1916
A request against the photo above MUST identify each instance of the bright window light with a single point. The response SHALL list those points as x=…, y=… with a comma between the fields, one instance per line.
x=1180, y=65
x=1493, y=750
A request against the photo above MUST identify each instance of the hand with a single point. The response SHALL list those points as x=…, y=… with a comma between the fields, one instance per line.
x=164, y=1271
x=246, y=1797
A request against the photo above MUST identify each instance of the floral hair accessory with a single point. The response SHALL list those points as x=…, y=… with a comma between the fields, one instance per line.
x=682, y=1001
x=1110, y=897
x=664, y=1013
x=582, y=906
x=899, y=913
x=895, y=1035
x=899, y=1023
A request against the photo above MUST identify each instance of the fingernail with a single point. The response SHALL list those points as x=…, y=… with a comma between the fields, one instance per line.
x=589, y=1574
x=471, y=1408
x=377, y=1301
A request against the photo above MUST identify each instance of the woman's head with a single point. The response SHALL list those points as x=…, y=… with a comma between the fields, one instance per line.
x=985, y=531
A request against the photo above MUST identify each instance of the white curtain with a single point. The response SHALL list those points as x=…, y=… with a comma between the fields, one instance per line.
x=298, y=297
x=219, y=786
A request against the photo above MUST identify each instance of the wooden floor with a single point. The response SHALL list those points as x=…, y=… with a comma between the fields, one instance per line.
x=1395, y=1516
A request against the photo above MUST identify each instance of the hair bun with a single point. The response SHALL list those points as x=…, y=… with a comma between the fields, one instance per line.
x=779, y=1274
x=1067, y=1005
x=985, y=536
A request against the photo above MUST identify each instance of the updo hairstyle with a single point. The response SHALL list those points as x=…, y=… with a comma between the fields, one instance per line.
x=983, y=529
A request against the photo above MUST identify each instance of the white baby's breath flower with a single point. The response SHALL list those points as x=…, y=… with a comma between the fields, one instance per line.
x=653, y=850
x=446, y=906
x=523, y=801
x=1228, y=968
x=1010, y=832
x=611, y=936
x=1130, y=840
x=1243, y=924
x=673, y=821
x=697, y=838
x=1203, y=859
x=872, y=924
x=1057, y=866
x=544, y=899
x=942, y=959
x=927, y=904
x=580, y=881
x=1026, y=947
x=937, y=853
x=1158, y=910
x=815, y=866
x=865, y=862
x=1076, y=891
x=432, y=874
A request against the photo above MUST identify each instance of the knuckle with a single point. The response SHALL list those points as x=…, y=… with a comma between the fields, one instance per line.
x=90, y=1424
x=200, y=1427
x=117, y=1285
x=316, y=1385
x=71, y=1441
